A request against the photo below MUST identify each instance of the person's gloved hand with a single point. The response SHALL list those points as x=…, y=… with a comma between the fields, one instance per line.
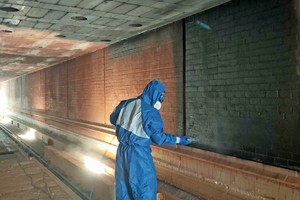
x=183, y=140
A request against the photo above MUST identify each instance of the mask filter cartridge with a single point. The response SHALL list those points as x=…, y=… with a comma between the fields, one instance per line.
x=157, y=105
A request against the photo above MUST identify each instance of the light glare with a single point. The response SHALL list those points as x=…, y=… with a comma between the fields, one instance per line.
x=94, y=165
x=30, y=135
x=6, y=120
x=3, y=103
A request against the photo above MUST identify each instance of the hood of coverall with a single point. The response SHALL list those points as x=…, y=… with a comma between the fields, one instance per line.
x=152, y=92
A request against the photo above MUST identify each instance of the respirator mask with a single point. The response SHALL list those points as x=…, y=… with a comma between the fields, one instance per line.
x=157, y=105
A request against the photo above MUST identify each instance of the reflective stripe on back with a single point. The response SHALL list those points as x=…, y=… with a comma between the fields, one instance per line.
x=130, y=118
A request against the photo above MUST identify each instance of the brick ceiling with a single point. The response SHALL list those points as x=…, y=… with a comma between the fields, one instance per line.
x=41, y=33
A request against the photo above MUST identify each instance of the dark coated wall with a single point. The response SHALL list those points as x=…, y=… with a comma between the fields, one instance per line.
x=242, y=86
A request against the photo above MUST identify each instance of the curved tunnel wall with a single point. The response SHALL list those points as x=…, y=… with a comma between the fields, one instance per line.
x=242, y=83
x=89, y=87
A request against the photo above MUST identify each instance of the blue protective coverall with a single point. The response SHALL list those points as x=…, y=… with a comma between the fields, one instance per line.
x=138, y=124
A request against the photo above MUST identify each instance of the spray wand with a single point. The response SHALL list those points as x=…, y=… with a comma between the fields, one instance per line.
x=192, y=139
x=94, y=181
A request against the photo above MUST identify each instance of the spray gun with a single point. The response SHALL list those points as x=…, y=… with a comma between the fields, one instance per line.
x=192, y=139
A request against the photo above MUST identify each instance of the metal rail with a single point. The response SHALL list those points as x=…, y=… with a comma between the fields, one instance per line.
x=31, y=152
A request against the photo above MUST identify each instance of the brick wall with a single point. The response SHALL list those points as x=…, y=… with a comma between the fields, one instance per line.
x=89, y=87
x=242, y=87
x=14, y=92
x=56, y=90
x=86, y=88
x=130, y=65
x=37, y=89
x=26, y=93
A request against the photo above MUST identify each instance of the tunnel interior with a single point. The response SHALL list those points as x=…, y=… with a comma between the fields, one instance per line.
x=231, y=74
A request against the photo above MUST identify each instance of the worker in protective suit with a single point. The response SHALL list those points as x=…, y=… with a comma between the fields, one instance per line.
x=138, y=123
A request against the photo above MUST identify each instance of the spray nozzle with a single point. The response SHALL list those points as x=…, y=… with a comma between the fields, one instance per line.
x=192, y=139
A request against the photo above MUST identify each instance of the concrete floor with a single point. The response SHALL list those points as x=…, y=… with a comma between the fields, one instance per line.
x=23, y=178
x=38, y=181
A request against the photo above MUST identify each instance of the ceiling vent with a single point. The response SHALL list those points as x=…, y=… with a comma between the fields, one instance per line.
x=6, y=31
x=60, y=36
x=135, y=25
x=79, y=18
x=9, y=9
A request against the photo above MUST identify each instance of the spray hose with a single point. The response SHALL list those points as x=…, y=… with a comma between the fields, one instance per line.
x=94, y=182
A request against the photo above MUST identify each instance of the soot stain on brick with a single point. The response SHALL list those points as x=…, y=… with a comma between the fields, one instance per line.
x=255, y=50
x=135, y=45
x=178, y=57
x=125, y=48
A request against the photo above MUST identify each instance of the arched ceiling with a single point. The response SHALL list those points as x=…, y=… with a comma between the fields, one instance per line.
x=35, y=34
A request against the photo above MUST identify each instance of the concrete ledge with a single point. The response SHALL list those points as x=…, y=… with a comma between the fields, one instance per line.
x=211, y=175
x=67, y=158
x=227, y=176
x=101, y=139
x=104, y=184
x=182, y=155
